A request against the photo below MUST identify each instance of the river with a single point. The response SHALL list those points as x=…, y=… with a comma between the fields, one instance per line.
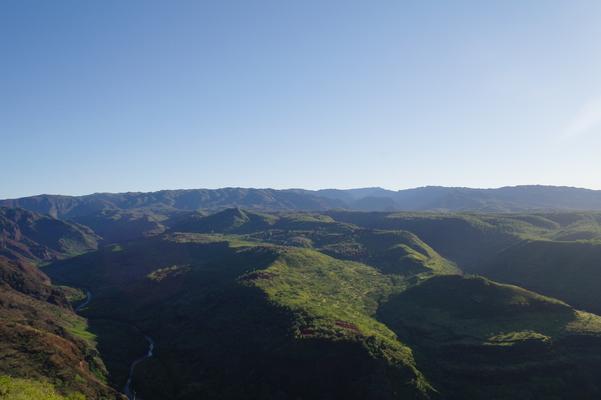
x=128, y=390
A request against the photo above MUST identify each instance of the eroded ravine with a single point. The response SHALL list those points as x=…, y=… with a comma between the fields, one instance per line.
x=128, y=389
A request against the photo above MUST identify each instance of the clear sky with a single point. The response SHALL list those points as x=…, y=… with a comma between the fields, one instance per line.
x=114, y=95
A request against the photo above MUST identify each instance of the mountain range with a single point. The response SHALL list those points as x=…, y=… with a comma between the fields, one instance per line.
x=431, y=198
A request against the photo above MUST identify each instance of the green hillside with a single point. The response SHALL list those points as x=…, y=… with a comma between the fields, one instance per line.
x=232, y=220
x=463, y=238
x=478, y=339
x=398, y=252
x=27, y=389
x=289, y=305
x=42, y=339
x=115, y=225
x=570, y=271
x=276, y=312
x=473, y=240
x=232, y=315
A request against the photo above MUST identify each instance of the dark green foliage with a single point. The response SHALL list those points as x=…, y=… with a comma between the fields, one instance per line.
x=221, y=332
x=570, y=271
x=294, y=305
x=478, y=339
x=232, y=220
x=397, y=252
x=463, y=238
x=116, y=226
x=118, y=343
x=400, y=252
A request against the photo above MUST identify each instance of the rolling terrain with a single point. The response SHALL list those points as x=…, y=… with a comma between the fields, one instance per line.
x=280, y=304
x=231, y=317
x=480, y=339
x=570, y=271
x=292, y=294
x=556, y=254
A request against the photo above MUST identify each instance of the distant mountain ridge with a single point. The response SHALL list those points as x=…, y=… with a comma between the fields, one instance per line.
x=174, y=200
x=429, y=198
x=439, y=198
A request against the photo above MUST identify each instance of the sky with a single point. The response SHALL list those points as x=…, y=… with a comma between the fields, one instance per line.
x=114, y=96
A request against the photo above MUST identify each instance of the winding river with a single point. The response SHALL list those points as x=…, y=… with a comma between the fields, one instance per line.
x=86, y=301
x=128, y=390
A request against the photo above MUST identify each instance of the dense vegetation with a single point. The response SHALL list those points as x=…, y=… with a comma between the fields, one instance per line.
x=480, y=339
x=306, y=305
x=234, y=317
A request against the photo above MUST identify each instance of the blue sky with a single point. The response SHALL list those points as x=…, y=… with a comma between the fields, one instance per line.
x=144, y=95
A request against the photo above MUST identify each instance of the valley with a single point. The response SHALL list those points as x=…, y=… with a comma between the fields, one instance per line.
x=128, y=390
x=300, y=200
x=337, y=304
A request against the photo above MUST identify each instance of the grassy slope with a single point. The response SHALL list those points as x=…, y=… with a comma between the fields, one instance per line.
x=397, y=252
x=463, y=238
x=489, y=244
x=336, y=300
x=27, y=389
x=570, y=271
x=232, y=317
x=556, y=254
x=310, y=306
x=480, y=339
x=485, y=312
x=42, y=339
x=470, y=239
